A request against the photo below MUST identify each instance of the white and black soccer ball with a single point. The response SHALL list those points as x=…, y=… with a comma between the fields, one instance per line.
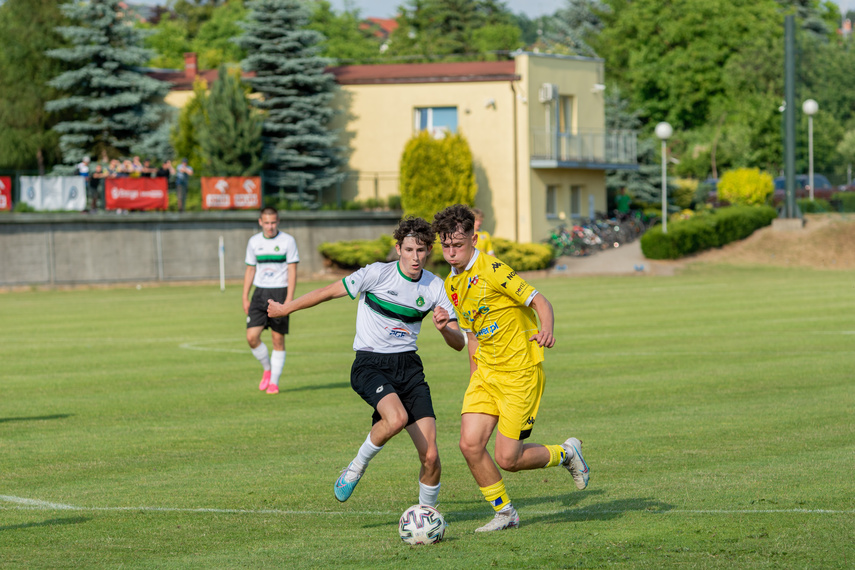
x=421, y=524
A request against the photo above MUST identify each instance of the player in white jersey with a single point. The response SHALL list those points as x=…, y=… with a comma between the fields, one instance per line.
x=271, y=265
x=387, y=373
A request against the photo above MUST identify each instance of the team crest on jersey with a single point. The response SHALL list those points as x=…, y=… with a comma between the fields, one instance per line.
x=276, y=248
x=473, y=281
x=420, y=301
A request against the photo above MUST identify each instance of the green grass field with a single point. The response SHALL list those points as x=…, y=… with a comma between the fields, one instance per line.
x=716, y=408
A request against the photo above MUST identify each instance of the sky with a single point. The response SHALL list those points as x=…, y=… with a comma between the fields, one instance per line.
x=531, y=8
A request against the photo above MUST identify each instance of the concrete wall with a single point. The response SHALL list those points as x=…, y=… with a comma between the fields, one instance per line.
x=39, y=249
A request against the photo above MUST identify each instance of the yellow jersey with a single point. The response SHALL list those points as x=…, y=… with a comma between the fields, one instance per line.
x=485, y=243
x=491, y=300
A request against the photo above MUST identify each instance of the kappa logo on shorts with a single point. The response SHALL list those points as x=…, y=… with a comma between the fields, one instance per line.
x=530, y=421
x=380, y=389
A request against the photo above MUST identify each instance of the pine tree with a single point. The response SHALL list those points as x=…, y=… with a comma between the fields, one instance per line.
x=229, y=130
x=27, y=140
x=301, y=153
x=118, y=104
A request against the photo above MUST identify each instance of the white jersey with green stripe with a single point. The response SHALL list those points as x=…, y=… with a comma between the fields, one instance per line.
x=271, y=257
x=392, y=306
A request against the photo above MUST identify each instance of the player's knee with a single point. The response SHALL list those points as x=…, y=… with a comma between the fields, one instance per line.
x=470, y=448
x=430, y=460
x=397, y=421
x=508, y=462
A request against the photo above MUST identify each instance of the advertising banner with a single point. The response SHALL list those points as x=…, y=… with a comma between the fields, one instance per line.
x=231, y=192
x=5, y=193
x=54, y=192
x=136, y=193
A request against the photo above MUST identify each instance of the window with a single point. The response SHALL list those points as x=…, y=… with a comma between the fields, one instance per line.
x=437, y=120
x=565, y=114
x=552, y=201
x=575, y=201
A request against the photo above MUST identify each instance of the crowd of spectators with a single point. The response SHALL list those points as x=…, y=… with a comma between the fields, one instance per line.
x=134, y=167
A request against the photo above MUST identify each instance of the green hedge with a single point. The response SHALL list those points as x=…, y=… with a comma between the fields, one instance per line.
x=357, y=253
x=844, y=201
x=705, y=231
x=361, y=252
x=523, y=256
x=817, y=206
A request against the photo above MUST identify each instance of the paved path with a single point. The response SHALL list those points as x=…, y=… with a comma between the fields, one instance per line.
x=624, y=260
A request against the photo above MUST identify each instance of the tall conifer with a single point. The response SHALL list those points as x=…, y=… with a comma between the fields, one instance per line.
x=301, y=153
x=117, y=103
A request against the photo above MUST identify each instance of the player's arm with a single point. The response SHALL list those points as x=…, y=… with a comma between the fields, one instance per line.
x=543, y=308
x=334, y=290
x=448, y=328
x=292, y=282
x=248, y=277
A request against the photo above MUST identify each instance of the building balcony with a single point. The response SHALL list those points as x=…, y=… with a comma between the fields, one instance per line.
x=594, y=150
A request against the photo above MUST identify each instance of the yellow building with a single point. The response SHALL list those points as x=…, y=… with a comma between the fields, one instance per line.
x=535, y=124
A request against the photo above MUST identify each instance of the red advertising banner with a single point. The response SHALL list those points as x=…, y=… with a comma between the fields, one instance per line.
x=5, y=193
x=136, y=193
x=231, y=192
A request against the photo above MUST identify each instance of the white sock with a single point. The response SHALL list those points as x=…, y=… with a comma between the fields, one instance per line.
x=367, y=451
x=428, y=495
x=260, y=353
x=277, y=363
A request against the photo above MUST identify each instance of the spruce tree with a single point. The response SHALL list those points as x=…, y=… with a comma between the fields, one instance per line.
x=117, y=103
x=229, y=130
x=301, y=153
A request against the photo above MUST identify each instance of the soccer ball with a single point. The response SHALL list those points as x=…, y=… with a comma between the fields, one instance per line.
x=421, y=524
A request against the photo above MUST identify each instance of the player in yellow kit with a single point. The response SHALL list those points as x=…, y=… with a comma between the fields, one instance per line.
x=500, y=313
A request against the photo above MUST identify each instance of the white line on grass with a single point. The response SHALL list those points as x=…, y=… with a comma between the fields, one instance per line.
x=34, y=504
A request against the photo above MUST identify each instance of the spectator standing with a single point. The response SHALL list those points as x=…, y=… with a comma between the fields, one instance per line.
x=182, y=177
x=83, y=167
x=94, y=183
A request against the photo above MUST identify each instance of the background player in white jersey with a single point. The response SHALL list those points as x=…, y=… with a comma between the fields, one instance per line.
x=271, y=265
x=387, y=373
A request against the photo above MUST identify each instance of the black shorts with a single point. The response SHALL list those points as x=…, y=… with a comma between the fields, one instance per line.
x=257, y=316
x=374, y=376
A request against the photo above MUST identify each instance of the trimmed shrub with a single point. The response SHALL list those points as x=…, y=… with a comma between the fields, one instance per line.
x=436, y=174
x=745, y=187
x=705, y=231
x=523, y=256
x=808, y=206
x=844, y=201
x=357, y=253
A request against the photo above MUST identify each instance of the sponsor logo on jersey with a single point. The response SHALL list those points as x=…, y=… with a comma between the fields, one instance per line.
x=520, y=288
x=395, y=293
x=380, y=389
x=483, y=309
x=496, y=266
x=452, y=288
x=454, y=298
x=420, y=301
x=488, y=330
x=397, y=332
x=512, y=274
x=505, y=284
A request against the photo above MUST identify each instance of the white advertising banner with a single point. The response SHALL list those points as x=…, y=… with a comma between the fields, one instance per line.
x=54, y=192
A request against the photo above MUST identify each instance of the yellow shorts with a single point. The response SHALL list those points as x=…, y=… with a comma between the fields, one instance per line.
x=513, y=396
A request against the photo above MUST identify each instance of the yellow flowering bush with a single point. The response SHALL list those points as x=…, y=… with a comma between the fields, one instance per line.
x=745, y=187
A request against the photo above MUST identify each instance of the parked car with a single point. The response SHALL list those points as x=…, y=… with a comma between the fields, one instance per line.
x=822, y=187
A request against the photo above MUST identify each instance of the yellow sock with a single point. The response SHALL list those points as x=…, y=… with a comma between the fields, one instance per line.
x=556, y=455
x=496, y=495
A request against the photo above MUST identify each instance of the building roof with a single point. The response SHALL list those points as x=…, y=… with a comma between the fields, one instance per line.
x=466, y=71
x=380, y=27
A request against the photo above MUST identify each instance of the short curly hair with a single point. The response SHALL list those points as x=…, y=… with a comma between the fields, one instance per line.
x=454, y=219
x=414, y=227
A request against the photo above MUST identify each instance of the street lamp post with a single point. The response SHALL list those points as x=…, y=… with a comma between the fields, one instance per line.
x=664, y=132
x=810, y=107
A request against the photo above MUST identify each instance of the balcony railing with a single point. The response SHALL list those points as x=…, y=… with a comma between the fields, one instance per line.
x=585, y=149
